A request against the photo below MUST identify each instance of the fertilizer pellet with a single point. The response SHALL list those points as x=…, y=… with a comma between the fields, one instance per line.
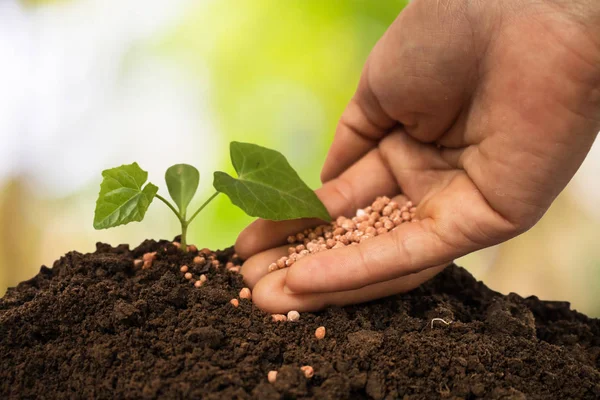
x=381, y=217
x=293, y=316
x=245, y=293
x=199, y=260
x=320, y=332
x=272, y=376
x=279, y=318
x=309, y=372
x=149, y=256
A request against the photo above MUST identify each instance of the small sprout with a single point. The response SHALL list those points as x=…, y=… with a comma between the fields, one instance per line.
x=188, y=275
x=279, y=318
x=198, y=284
x=199, y=260
x=184, y=268
x=309, y=372
x=272, y=376
x=245, y=293
x=266, y=186
x=234, y=302
x=293, y=316
x=440, y=320
x=320, y=332
x=138, y=263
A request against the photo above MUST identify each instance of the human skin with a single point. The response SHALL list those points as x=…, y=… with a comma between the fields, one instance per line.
x=478, y=111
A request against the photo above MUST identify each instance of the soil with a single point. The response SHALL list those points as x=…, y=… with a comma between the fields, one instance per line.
x=93, y=326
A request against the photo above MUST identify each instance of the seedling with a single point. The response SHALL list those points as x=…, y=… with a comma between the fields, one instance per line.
x=266, y=187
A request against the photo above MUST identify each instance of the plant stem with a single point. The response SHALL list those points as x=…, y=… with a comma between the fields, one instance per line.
x=158, y=196
x=182, y=220
x=202, y=207
x=183, y=240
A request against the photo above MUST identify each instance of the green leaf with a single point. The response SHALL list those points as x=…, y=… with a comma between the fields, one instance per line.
x=267, y=186
x=182, y=182
x=122, y=198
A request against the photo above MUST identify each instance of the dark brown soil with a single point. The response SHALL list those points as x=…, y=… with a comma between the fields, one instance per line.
x=94, y=327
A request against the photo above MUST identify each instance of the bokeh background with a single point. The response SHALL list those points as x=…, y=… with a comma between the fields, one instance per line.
x=90, y=84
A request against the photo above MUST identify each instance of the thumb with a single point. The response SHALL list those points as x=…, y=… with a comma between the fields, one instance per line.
x=411, y=248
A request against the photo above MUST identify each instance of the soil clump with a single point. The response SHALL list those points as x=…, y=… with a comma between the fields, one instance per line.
x=94, y=326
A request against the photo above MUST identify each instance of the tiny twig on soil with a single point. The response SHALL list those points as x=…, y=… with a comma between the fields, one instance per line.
x=441, y=320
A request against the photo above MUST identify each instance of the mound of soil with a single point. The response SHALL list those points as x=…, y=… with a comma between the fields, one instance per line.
x=93, y=326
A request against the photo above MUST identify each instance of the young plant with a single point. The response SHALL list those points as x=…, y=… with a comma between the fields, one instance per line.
x=266, y=187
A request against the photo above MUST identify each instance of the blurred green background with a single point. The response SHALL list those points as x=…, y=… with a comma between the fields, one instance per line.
x=91, y=84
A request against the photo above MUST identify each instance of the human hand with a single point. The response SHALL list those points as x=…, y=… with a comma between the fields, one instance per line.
x=479, y=112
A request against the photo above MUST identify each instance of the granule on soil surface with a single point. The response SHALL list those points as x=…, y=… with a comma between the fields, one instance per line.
x=94, y=326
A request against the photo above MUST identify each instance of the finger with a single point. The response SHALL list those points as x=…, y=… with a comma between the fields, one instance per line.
x=270, y=294
x=355, y=188
x=410, y=248
x=362, y=125
x=454, y=222
x=418, y=168
x=257, y=266
x=415, y=77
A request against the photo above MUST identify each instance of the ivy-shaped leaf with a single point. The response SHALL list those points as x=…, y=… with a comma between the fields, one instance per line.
x=267, y=186
x=123, y=198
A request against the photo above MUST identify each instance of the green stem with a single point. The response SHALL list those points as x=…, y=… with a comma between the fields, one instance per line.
x=202, y=207
x=183, y=240
x=181, y=219
x=158, y=196
x=184, y=223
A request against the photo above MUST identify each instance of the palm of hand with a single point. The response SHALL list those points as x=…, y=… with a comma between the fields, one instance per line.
x=479, y=132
